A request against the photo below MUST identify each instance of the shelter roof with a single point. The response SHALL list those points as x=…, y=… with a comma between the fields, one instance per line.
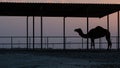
x=57, y=9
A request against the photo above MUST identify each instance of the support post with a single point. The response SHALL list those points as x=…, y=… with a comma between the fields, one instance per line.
x=41, y=32
x=100, y=43
x=33, y=33
x=11, y=42
x=29, y=42
x=82, y=43
x=118, y=30
x=87, y=32
x=27, y=32
x=64, y=39
x=108, y=22
x=47, y=42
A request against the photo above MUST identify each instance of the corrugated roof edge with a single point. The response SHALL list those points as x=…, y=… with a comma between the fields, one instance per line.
x=62, y=3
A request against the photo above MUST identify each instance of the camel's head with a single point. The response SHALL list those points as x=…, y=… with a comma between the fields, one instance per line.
x=78, y=30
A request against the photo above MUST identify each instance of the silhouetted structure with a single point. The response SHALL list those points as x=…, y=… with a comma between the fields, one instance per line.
x=95, y=33
x=57, y=10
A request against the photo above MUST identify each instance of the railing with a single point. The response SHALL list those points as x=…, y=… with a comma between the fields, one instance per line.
x=54, y=42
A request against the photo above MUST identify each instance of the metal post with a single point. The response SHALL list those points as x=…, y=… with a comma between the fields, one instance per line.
x=118, y=30
x=27, y=32
x=64, y=40
x=82, y=43
x=47, y=43
x=11, y=42
x=41, y=32
x=87, y=32
x=29, y=43
x=33, y=33
x=108, y=22
x=100, y=43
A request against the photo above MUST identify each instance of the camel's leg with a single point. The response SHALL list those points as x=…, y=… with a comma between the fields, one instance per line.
x=92, y=44
x=109, y=41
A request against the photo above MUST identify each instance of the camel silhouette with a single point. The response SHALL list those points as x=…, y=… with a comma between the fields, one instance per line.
x=96, y=33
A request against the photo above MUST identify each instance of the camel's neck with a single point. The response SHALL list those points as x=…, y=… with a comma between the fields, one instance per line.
x=83, y=35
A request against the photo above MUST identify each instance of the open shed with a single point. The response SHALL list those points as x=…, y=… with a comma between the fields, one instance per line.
x=58, y=10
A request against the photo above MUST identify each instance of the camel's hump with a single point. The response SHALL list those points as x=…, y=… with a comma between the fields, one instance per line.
x=99, y=27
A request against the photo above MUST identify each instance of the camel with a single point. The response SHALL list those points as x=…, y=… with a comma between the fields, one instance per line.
x=96, y=33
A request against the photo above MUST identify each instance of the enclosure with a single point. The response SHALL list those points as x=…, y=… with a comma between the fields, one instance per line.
x=63, y=10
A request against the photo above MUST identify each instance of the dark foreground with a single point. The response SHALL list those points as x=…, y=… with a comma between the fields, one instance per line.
x=18, y=58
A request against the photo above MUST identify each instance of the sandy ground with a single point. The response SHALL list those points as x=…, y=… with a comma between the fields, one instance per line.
x=66, y=60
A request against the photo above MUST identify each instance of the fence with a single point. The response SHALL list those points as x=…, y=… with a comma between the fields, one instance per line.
x=53, y=42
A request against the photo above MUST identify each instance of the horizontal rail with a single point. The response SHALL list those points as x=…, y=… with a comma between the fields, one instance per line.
x=13, y=41
x=45, y=36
